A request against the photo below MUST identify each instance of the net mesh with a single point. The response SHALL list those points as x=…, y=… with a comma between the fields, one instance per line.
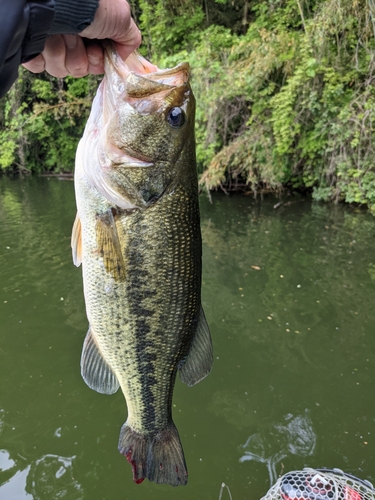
x=320, y=484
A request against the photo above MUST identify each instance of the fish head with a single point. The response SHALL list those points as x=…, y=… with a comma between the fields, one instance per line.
x=147, y=129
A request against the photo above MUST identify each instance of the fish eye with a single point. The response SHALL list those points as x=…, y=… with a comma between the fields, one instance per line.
x=176, y=117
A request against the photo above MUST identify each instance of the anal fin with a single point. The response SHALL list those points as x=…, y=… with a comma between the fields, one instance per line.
x=198, y=363
x=95, y=370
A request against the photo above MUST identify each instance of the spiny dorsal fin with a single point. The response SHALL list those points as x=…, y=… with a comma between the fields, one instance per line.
x=198, y=363
x=76, y=241
x=109, y=245
x=95, y=370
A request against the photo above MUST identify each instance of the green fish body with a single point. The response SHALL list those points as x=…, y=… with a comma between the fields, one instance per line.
x=137, y=235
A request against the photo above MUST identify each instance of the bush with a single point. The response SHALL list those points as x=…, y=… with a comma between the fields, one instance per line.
x=285, y=95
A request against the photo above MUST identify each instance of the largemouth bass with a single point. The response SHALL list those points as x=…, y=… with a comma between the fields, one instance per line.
x=137, y=235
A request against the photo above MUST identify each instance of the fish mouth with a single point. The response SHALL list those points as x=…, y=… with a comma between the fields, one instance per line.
x=139, y=78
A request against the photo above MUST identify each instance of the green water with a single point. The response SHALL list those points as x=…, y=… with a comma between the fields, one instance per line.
x=294, y=374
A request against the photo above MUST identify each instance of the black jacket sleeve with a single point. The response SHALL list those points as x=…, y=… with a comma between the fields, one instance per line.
x=73, y=16
x=28, y=22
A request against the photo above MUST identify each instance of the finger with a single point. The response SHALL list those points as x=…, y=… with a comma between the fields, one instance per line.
x=129, y=41
x=113, y=20
x=95, y=57
x=54, y=56
x=36, y=65
x=76, y=61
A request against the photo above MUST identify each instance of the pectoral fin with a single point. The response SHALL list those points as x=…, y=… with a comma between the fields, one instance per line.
x=95, y=370
x=76, y=241
x=109, y=245
x=198, y=363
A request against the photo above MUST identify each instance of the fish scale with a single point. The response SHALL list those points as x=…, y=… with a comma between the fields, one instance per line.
x=137, y=235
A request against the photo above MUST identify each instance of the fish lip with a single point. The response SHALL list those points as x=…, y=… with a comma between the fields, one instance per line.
x=182, y=68
x=162, y=74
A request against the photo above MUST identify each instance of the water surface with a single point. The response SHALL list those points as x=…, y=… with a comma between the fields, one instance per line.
x=290, y=298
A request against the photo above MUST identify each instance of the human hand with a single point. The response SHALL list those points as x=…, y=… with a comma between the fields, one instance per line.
x=69, y=55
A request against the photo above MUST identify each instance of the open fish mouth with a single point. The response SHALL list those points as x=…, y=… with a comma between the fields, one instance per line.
x=138, y=78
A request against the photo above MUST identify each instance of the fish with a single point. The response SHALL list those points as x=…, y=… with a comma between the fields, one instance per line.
x=137, y=236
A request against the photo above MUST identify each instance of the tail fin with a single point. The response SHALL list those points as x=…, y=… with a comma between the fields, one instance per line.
x=158, y=457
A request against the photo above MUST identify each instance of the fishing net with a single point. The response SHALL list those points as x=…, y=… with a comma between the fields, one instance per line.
x=320, y=484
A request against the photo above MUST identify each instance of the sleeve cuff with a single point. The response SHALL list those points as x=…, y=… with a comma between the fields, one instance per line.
x=41, y=14
x=73, y=16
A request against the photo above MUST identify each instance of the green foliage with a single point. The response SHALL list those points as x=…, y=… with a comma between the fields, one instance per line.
x=169, y=25
x=7, y=151
x=291, y=101
x=42, y=121
x=285, y=95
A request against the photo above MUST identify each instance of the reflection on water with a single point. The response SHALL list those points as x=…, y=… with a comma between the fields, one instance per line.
x=15, y=487
x=52, y=477
x=294, y=437
x=47, y=478
x=5, y=461
x=289, y=296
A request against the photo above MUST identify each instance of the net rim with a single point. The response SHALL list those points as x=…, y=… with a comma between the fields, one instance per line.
x=336, y=476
